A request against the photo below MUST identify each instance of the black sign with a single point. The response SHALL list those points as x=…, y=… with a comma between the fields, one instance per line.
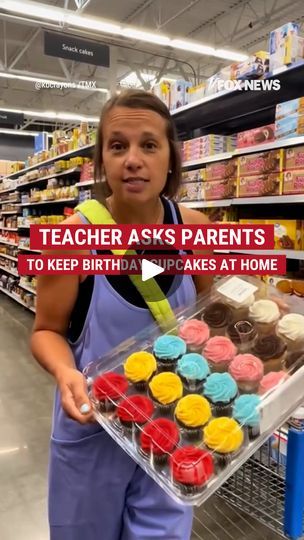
x=11, y=119
x=74, y=48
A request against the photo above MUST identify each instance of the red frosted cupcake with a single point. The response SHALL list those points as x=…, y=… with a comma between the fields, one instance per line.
x=134, y=411
x=191, y=468
x=159, y=439
x=108, y=389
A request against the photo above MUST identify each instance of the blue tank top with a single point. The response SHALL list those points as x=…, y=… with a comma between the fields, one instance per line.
x=110, y=320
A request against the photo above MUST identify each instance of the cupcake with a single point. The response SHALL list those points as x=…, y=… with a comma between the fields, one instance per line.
x=265, y=314
x=166, y=389
x=246, y=412
x=134, y=411
x=242, y=333
x=294, y=361
x=195, y=333
x=167, y=350
x=221, y=390
x=192, y=413
x=191, y=468
x=139, y=369
x=108, y=389
x=219, y=351
x=217, y=315
x=271, y=381
x=193, y=370
x=240, y=310
x=248, y=371
x=158, y=440
x=291, y=329
x=224, y=437
x=271, y=350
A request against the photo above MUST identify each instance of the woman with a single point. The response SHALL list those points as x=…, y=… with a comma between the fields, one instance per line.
x=96, y=492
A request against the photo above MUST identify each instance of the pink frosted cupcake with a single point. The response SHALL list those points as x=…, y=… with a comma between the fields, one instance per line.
x=195, y=333
x=219, y=351
x=271, y=380
x=248, y=371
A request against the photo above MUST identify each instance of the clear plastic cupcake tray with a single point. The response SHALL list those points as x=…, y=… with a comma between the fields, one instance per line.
x=191, y=447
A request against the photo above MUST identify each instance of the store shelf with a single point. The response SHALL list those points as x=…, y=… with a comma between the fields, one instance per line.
x=282, y=143
x=26, y=288
x=9, y=212
x=15, y=297
x=7, y=190
x=8, y=243
x=7, y=201
x=23, y=227
x=276, y=199
x=9, y=271
x=57, y=201
x=28, y=249
x=44, y=178
x=85, y=183
x=71, y=153
x=232, y=111
x=10, y=257
x=14, y=229
x=289, y=253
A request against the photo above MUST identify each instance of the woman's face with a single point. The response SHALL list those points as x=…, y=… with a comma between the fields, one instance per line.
x=135, y=153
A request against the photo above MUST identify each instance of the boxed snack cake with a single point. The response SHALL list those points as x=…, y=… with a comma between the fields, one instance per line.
x=219, y=189
x=259, y=185
x=294, y=158
x=221, y=169
x=261, y=163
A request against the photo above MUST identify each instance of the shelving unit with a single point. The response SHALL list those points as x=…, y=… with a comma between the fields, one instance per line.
x=73, y=173
x=276, y=199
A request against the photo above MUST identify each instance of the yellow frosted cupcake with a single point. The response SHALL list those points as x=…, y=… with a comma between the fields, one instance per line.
x=224, y=437
x=139, y=369
x=192, y=413
x=165, y=389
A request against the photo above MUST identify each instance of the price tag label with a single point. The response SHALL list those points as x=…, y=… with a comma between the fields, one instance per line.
x=237, y=289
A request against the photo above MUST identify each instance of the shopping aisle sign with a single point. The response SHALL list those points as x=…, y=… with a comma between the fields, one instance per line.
x=11, y=119
x=74, y=48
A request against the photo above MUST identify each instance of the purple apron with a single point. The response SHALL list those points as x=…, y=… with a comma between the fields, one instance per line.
x=96, y=491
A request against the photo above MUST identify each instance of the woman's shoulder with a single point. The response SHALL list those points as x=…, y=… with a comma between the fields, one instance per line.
x=192, y=217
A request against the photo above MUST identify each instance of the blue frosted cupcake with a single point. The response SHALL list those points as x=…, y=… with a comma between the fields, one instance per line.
x=221, y=390
x=193, y=370
x=167, y=351
x=245, y=411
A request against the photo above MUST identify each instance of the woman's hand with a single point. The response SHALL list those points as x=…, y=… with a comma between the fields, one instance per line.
x=74, y=396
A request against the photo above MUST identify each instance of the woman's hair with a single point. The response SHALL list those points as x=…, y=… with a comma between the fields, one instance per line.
x=139, y=99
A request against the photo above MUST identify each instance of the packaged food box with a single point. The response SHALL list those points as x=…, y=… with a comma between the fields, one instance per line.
x=261, y=163
x=291, y=107
x=293, y=182
x=255, y=66
x=196, y=92
x=287, y=233
x=219, y=189
x=162, y=91
x=255, y=136
x=259, y=185
x=179, y=94
x=191, y=191
x=294, y=158
x=194, y=176
x=281, y=43
x=290, y=126
x=221, y=169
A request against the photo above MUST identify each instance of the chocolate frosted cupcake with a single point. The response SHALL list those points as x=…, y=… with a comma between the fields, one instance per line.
x=271, y=350
x=242, y=333
x=217, y=315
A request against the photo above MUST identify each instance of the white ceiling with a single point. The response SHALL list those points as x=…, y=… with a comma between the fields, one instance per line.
x=240, y=25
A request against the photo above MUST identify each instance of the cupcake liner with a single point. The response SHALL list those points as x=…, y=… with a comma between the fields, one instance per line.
x=107, y=406
x=222, y=409
x=156, y=460
x=218, y=331
x=163, y=408
x=187, y=489
x=193, y=386
x=223, y=460
x=190, y=433
x=253, y=432
x=275, y=364
x=292, y=345
x=218, y=367
x=166, y=365
x=239, y=314
x=266, y=328
x=248, y=387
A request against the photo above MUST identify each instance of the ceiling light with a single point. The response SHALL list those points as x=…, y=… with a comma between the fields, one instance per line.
x=21, y=132
x=156, y=38
x=60, y=85
x=69, y=19
x=230, y=55
x=52, y=115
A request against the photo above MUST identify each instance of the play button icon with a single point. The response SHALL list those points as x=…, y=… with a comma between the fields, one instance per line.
x=150, y=269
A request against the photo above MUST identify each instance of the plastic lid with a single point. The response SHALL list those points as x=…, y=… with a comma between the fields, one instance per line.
x=298, y=414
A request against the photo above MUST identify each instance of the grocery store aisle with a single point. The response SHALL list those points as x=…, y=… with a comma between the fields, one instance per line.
x=25, y=415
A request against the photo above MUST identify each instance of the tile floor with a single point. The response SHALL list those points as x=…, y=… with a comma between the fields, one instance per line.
x=25, y=415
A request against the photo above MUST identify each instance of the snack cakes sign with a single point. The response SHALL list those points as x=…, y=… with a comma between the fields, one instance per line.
x=74, y=48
